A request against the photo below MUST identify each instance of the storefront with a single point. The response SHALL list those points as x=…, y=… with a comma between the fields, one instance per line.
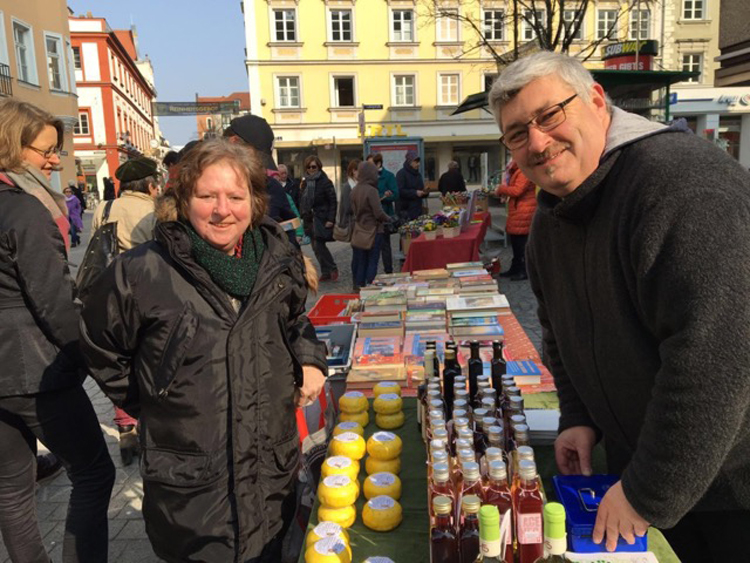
x=719, y=114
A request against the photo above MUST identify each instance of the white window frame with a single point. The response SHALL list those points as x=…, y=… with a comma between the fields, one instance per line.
x=335, y=102
x=278, y=89
x=695, y=7
x=4, y=54
x=33, y=75
x=602, y=33
x=341, y=32
x=295, y=31
x=645, y=25
x=447, y=29
x=71, y=67
x=689, y=67
x=61, y=56
x=570, y=22
x=442, y=100
x=79, y=125
x=528, y=33
x=399, y=38
x=491, y=36
x=395, y=87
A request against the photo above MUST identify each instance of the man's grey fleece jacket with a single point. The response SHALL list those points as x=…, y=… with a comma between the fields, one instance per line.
x=642, y=275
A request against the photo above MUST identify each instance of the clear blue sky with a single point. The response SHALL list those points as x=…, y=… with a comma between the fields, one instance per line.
x=194, y=45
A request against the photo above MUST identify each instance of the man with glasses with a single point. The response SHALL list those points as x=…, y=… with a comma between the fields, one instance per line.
x=639, y=256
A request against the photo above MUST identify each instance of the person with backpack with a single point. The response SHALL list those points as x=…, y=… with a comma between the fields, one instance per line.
x=41, y=392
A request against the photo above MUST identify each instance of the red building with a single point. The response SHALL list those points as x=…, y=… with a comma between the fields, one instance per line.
x=214, y=125
x=115, y=95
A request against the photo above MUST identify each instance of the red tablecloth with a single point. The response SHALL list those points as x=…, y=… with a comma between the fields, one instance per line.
x=428, y=254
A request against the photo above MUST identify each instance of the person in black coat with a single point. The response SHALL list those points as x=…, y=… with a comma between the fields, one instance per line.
x=318, y=210
x=452, y=180
x=202, y=333
x=109, y=189
x=411, y=189
x=290, y=185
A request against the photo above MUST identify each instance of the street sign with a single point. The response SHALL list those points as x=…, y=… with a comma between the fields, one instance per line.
x=372, y=106
x=194, y=108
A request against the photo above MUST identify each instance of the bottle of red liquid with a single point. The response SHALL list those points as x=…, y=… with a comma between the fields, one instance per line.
x=440, y=483
x=498, y=494
x=527, y=512
x=468, y=539
x=471, y=482
x=443, y=540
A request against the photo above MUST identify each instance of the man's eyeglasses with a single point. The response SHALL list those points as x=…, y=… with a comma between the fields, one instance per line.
x=49, y=153
x=545, y=121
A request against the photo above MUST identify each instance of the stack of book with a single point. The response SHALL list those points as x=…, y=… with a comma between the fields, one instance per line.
x=428, y=275
x=524, y=372
x=386, y=301
x=462, y=266
x=377, y=359
x=475, y=316
x=414, y=345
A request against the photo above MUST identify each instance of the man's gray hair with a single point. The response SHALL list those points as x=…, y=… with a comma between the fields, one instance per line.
x=141, y=186
x=452, y=164
x=546, y=63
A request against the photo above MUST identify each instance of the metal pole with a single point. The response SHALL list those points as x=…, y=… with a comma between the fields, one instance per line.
x=666, y=104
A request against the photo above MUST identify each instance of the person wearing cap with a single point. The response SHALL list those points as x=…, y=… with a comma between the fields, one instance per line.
x=411, y=189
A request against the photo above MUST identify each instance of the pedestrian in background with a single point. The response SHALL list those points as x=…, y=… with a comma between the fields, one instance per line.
x=520, y=193
x=74, y=215
x=202, y=334
x=389, y=195
x=368, y=217
x=411, y=190
x=346, y=215
x=290, y=185
x=451, y=180
x=109, y=189
x=318, y=208
x=41, y=392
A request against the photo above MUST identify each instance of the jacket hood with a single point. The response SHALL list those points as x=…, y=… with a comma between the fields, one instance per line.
x=626, y=128
x=367, y=174
x=410, y=157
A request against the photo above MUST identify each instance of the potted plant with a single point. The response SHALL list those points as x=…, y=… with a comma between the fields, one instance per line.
x=429, y=228
x=408, y=231
x=451, y=226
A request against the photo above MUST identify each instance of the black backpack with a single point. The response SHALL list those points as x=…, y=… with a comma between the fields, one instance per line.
x=102, y=249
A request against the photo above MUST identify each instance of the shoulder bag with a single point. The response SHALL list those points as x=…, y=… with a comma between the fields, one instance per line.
x=102, y=249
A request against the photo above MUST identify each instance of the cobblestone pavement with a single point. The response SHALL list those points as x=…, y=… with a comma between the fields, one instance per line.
x=128, y=542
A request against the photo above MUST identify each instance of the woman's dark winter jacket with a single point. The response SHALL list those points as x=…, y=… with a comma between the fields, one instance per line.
x=646, y=318
x=38, y=320
x=365, y=200
x=213, y=387
x=409, y=183
x=323, y=209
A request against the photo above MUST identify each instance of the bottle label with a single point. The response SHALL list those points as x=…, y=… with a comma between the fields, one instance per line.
x=383, y=436
x=555, y=546
x=336, y=481
x=347, y=437
x=381, y=503
x=490, y=548
x=330, y=546
x=383, y=479
x=354, y=394
x=339, y=461
x=327, y=529
x=530, y=529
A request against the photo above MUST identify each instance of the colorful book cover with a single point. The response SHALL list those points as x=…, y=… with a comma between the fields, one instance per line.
x=378, y=350
x=476, y=279
x=471, y=303
x=494, y=331
x=424, y=292
x=469, y=273
x=474, y=321
x=414, y=344
x=435, y=273
x=524, y=372
x=464, y=266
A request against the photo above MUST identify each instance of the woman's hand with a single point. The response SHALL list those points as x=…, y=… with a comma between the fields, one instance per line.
x=312, y=383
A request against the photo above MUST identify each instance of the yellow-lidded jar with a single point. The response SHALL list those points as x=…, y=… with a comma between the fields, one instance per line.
x=379, y=484
x=326, y=530
x=348, y=444
x=361, y=418
x=329, y=550
x=344, y=517
x=386, y=387
x=382, y=514
x=348, y=426
x=337, y=491
x=388, y=403
x=384, y=446
x=373, y=465
x=389, y=421
x=340, y=465
x=353, y=402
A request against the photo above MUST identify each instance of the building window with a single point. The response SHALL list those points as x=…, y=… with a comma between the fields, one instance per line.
x=343, y=91
x=447, y=25
x=693, y=62
x=82, y=126
x=692, y=10
x=489, y=79
x=640, y=28
x=403, y=25
x=403, y=90
x=25, y=59
x=288, y=91
x=284, y=22
x=55, y=63
x=77, y=58
x=606, y=24
x=341, y=25
x=531, y=19
x=494, y=21
x=570, y=21
x=449, y=84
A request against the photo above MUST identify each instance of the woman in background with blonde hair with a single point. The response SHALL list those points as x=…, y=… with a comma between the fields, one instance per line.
x=41, y=396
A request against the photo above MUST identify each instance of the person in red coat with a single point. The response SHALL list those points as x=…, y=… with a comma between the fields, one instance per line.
x=520, y=193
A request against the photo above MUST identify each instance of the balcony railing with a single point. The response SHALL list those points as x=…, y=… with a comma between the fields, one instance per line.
x=6, y=82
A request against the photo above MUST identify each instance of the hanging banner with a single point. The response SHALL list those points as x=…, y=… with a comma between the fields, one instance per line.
x=195, y=108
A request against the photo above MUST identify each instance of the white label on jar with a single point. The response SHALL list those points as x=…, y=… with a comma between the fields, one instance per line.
x=339, y=461
x=355, y=394
x=383, y=479
x=383, y=436
x=529, y=528
x=348, y=425
x=330, y=546
x=336, y=481
x=347, y=437
x=388, y=397
x=382, y=502
x=555, y=546
x=327, y=529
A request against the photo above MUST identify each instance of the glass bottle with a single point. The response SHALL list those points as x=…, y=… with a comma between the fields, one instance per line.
x=450, y=371
x=478, y=415
x=489, y=535
x=490, y=455
x=496, y=437
x=498, y=494
x=432, y=346
x=438, y=456
x=440, y=484
x=475, y=370
x=459, y=411
x=555, y=543
x=527, y=510
x=443, y=540
x=497, y=364
x=451, y=344
x=422, y=390
x=470, y=483
x=490, y=393
x=522, y=453
x=468, y=539
x=460, y=393
x=488, y=404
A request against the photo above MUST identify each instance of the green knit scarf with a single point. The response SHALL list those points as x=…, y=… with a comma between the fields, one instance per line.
x=236, y=276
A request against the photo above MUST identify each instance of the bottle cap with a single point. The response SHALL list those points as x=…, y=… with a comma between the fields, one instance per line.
x=442, y=505
x=429, y=353
x=554, y=520
x=489, y=523
x=471, y=470
x=440, y=434
x=471, y=504
x=459, y=412
x=465, y=444
x=466, y=433
x=521, y=432
x=437, y=414
x=450, y=353
x=488, y=422
x=436, y=404
x=525, y=452
x=479, y=414
x=497, y=469
x=490, y=393
x=465, y=455
x=495, y=432
x=488, y=403
x=527, y=470
x=514, y=391
x=492, y=454
x=439, y=455
x=440, y=472
x=460, y=422
x=460, y=395
x=436, y=445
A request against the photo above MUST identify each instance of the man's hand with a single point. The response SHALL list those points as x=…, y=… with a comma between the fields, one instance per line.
x=616, y=517
x=388, y=193
x=573, y=450
x=329, y=224
x=420, y=193
x=312, y=382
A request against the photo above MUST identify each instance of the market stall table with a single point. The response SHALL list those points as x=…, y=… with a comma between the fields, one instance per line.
x=426, y=254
